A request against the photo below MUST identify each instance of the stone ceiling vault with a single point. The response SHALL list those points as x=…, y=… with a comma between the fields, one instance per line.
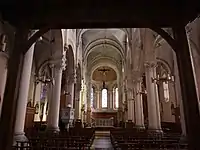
x=103, y=44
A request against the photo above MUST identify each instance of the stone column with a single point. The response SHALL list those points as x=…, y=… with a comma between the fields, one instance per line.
x=77, y=97
x=154, y=123
x=100, y=99
x=19, y=134
x=139, y=106
x=70, y=90
x=111, y=99
x=97, y=98
x=54, y=104
x=188, y=88
x=77, y=106
x=130, y=103
x=3, y=76
x=179, y=96
x=89, y=102
x=114, y=99
x=94, y=99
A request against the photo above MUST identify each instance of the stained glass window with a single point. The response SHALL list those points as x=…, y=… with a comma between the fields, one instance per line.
x=166, y=91
x=43, y=92
x=116, y=98
x=104, y=98
x=92, y=97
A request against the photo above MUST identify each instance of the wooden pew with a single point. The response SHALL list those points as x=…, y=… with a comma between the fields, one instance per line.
x=74, y=139
x=134, y=139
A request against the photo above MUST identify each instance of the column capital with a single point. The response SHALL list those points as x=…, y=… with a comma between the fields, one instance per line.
x=58, y=64
x=131, y=99
x=138, y=80
x=97, y=91
x=149, y=64
x=109, y=91
x=71, y=78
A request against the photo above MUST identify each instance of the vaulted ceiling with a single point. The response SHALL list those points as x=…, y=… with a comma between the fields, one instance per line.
x=92, y=35
x=104, y=44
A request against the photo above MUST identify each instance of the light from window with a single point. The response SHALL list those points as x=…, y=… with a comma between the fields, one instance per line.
x=104, y=98
x=43, y=92
x=166, y=91
x=116, y=98
x=92, y=97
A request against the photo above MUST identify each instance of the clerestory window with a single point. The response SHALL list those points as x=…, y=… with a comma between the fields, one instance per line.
x=104, y=98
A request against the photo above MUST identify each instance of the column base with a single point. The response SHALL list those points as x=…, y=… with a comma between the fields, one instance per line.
x=19, y=137
x=139, y=127
x=183, y=139
x=156, y=132
x=129, y=124
x=53, y=130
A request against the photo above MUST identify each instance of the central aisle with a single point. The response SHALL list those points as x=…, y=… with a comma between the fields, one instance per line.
x=102, y=141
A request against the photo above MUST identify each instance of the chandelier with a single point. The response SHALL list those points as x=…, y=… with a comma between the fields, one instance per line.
x=164, y=78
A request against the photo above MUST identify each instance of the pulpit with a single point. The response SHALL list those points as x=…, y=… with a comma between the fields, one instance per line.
x=30, y=112
x=67, y=116
x=129, y=124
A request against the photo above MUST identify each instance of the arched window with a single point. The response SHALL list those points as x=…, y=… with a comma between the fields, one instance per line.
x=43, y=94
x=163, y=73
x=166, y=91
x=92, y=97
x=116, y=98
x=104, y=98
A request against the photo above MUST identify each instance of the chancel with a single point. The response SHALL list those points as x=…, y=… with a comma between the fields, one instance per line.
x=72, y=83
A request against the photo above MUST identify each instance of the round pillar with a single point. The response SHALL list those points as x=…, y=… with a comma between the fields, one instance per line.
x=154, y=123
x=54, y=104
x=70, y=90
x=139, y=106
x=3, y=76
x=23, y=96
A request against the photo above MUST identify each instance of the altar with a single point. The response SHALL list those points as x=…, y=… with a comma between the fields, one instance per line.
x=104, y=118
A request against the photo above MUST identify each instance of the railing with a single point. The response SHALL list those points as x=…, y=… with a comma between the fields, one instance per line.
x=102, y=122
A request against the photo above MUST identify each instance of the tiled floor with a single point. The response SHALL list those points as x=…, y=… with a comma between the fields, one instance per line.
x=102, y=141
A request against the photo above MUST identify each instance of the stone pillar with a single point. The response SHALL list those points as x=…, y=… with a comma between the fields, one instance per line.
x=70, y=90
x=15, y=64
x=111, y=99
x=77, y=107
x=54, y=104
x=78, y=92
x=139, y=106
x=19, y=134
x=97, y=98
x=89, y=102
x=130, y=103
x=114, y=99
x=3, y=76
x=179, y=97
x=100, y=99
x=154, y=123
x=188, y=88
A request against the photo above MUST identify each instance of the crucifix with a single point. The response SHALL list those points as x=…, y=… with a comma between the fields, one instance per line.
x=103, y=71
